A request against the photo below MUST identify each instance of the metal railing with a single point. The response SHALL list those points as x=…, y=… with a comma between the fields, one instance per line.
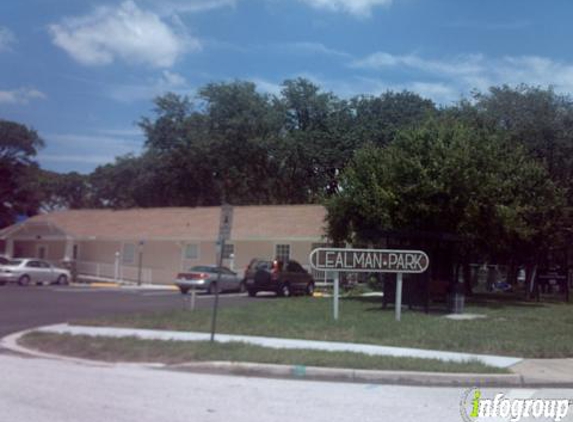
x=113, y=272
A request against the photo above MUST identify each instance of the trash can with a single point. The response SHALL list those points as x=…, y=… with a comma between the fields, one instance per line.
x=456, y=300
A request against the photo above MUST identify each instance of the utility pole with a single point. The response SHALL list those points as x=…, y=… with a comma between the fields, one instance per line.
x=224, y=234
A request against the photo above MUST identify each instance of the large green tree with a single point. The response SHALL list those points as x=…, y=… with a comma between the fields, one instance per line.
x=538, y=119
x=18, y=171
x=449, y=177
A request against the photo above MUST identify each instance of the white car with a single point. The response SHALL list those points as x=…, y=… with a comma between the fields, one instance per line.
x=29, y=270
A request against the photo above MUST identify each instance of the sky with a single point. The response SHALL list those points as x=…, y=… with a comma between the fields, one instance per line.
x=83, y=73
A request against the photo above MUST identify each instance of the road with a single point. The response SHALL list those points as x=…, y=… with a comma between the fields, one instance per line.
x=57, y=391
x=27, y=307
x=34, y=389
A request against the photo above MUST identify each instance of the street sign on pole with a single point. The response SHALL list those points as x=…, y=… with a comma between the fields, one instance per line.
x=226, y=222
x=369, y=260
x=225, y=227
x=395, y=261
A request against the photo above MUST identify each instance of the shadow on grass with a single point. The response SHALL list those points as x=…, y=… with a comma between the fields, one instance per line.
x=493, y=301
x=501, y=300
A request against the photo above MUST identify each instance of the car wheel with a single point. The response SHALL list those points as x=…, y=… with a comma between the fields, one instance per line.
x=252, y=292
x=24, y=280
x=213, y=288
x=62, y=280
x=285, y=290
x=309, y=289
x=183, y=290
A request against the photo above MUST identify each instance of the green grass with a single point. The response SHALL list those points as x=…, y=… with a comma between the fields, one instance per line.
x=512, y=327
x=173, y=352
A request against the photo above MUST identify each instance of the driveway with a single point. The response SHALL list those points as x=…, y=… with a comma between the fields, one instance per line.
x=27, y=307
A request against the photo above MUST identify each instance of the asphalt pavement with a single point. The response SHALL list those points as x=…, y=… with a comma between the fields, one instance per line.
x=27, y=307
x=51, y=390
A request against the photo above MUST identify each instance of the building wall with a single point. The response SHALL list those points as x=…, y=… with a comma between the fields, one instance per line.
x=245, y=251
x=55, y=249
x=265, y=249
x=98, y=251
x=161, y=260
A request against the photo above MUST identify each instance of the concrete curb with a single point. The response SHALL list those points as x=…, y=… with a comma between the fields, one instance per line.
x=313, y=373
x=284, y=343
x=301, y=372
x=10, y=342
x=114, y=285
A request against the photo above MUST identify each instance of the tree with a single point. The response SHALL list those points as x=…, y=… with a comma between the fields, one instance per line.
x=377, y=120
x=449, y=177
x=18, y=146
x=539, y=120
x=64, y=191
x=315, y=145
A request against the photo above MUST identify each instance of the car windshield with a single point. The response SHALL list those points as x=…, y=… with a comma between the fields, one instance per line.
x=202, y=269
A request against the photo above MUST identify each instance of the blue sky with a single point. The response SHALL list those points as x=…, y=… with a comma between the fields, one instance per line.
x=83, y=73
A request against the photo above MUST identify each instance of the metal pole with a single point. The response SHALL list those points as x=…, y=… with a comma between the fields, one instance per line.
x=139, y=266
x=116, y=272
x=398, y=296
x=216, y=303
x=193, y=298
x=336, y=293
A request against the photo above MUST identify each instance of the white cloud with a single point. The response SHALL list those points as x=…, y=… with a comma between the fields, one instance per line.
x=167, y=82
x=460, y=65
x=360, y=8
x=167, y=7
x=74, y=148
x=7, y=39
x=461, y=74
x=122, y=132
x=313, y=48
x=75, y=159
x=489, y=25
x=127, y=33
x=21, y=96
x=267, y=87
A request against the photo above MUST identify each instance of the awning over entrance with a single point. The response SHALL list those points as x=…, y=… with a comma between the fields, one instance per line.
x=35, y=231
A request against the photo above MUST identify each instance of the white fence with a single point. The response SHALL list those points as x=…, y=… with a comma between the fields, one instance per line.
x=113, y=272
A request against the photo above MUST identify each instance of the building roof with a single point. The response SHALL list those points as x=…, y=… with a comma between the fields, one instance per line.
x=201, y=223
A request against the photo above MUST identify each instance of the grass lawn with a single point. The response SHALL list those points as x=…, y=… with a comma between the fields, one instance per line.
x=173, y=352
x=512, y=327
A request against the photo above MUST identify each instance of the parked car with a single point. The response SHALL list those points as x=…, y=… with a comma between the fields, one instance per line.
x=254, y=265
x=204, y=277
x=283, y=278
x=29, y=270
x=4, y=260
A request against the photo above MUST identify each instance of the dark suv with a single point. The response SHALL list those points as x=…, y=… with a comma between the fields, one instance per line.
x=285, y=278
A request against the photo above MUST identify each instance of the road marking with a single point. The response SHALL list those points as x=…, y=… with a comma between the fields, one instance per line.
x=83, y=290
x=163, y=293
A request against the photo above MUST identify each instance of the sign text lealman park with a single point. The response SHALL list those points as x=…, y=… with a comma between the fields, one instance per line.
x=369, y=260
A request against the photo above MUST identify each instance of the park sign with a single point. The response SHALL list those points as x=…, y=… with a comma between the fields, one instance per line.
x=369, y=260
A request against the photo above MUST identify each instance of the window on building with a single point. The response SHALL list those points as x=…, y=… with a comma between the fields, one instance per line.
x=128, y=256
x=192, y=251
x=282, y=252
x=76, y=252
x=42, y=252
x=228, y=251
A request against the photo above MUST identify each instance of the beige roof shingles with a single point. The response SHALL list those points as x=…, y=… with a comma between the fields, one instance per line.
x=201, y=223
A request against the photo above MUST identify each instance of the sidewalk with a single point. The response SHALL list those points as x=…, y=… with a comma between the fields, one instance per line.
x=282, y=343
x=533, y=373
x=126, y=286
